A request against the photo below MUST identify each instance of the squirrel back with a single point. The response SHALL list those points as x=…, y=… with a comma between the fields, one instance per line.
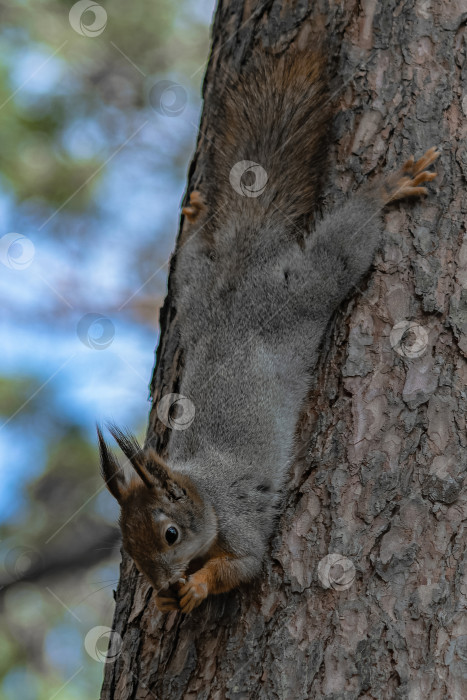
x=263, y=177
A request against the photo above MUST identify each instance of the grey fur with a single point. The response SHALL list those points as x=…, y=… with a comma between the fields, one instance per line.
x=258, y=331
x=255, y=294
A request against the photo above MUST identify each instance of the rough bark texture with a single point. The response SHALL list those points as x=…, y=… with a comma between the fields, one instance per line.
x=382, y=446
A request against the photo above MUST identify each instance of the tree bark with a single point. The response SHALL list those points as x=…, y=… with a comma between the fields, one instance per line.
x=363, y=594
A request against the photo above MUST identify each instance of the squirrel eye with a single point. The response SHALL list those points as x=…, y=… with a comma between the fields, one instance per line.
x=171, y=534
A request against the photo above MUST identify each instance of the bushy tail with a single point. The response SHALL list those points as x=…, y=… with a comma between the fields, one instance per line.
x=270, y=150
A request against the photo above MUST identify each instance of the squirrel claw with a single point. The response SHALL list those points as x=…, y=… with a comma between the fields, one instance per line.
x=427, y=159
x=193, y=592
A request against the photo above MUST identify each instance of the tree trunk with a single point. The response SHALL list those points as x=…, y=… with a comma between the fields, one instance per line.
x=363, y=593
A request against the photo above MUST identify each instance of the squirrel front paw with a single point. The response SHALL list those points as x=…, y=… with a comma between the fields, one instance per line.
x=194, y=591
x=168, y=599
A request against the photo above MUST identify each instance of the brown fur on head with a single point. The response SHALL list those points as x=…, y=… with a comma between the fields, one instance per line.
x=157, y=506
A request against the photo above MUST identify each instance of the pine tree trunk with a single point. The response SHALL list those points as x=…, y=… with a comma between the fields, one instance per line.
x=364, y=590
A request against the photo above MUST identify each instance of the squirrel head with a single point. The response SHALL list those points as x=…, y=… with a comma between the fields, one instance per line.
x=165, y=523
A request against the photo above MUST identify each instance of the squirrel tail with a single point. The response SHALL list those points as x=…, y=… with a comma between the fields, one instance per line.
x=270, y=152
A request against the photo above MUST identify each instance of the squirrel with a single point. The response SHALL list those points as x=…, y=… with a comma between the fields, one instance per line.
x=257, y=279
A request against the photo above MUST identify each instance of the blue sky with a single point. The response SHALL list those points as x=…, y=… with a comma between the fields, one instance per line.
x=136, y=202
x=85, y=267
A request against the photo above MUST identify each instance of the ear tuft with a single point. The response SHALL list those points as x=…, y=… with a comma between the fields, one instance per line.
x=132, y=450
x=111, y=471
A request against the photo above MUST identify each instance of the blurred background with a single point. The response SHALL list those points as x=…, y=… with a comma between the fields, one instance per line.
x=99, y=110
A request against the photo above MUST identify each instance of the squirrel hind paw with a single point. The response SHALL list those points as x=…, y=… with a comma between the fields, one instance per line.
x=195, y=207
x=425, y=161
x=413, y=167
x=412, y=174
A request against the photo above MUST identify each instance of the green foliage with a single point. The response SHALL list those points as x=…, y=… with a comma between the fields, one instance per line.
x=104, y=79
x=67, y=104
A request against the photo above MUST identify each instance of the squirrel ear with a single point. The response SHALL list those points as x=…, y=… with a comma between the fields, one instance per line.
x=164, y=476
x=111, y=471
x=132, y=450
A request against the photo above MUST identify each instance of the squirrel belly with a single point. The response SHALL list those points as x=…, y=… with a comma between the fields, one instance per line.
x=258, y=276
x=238, y=447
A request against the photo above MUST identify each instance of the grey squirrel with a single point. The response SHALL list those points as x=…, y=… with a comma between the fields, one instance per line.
x=256, y=285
